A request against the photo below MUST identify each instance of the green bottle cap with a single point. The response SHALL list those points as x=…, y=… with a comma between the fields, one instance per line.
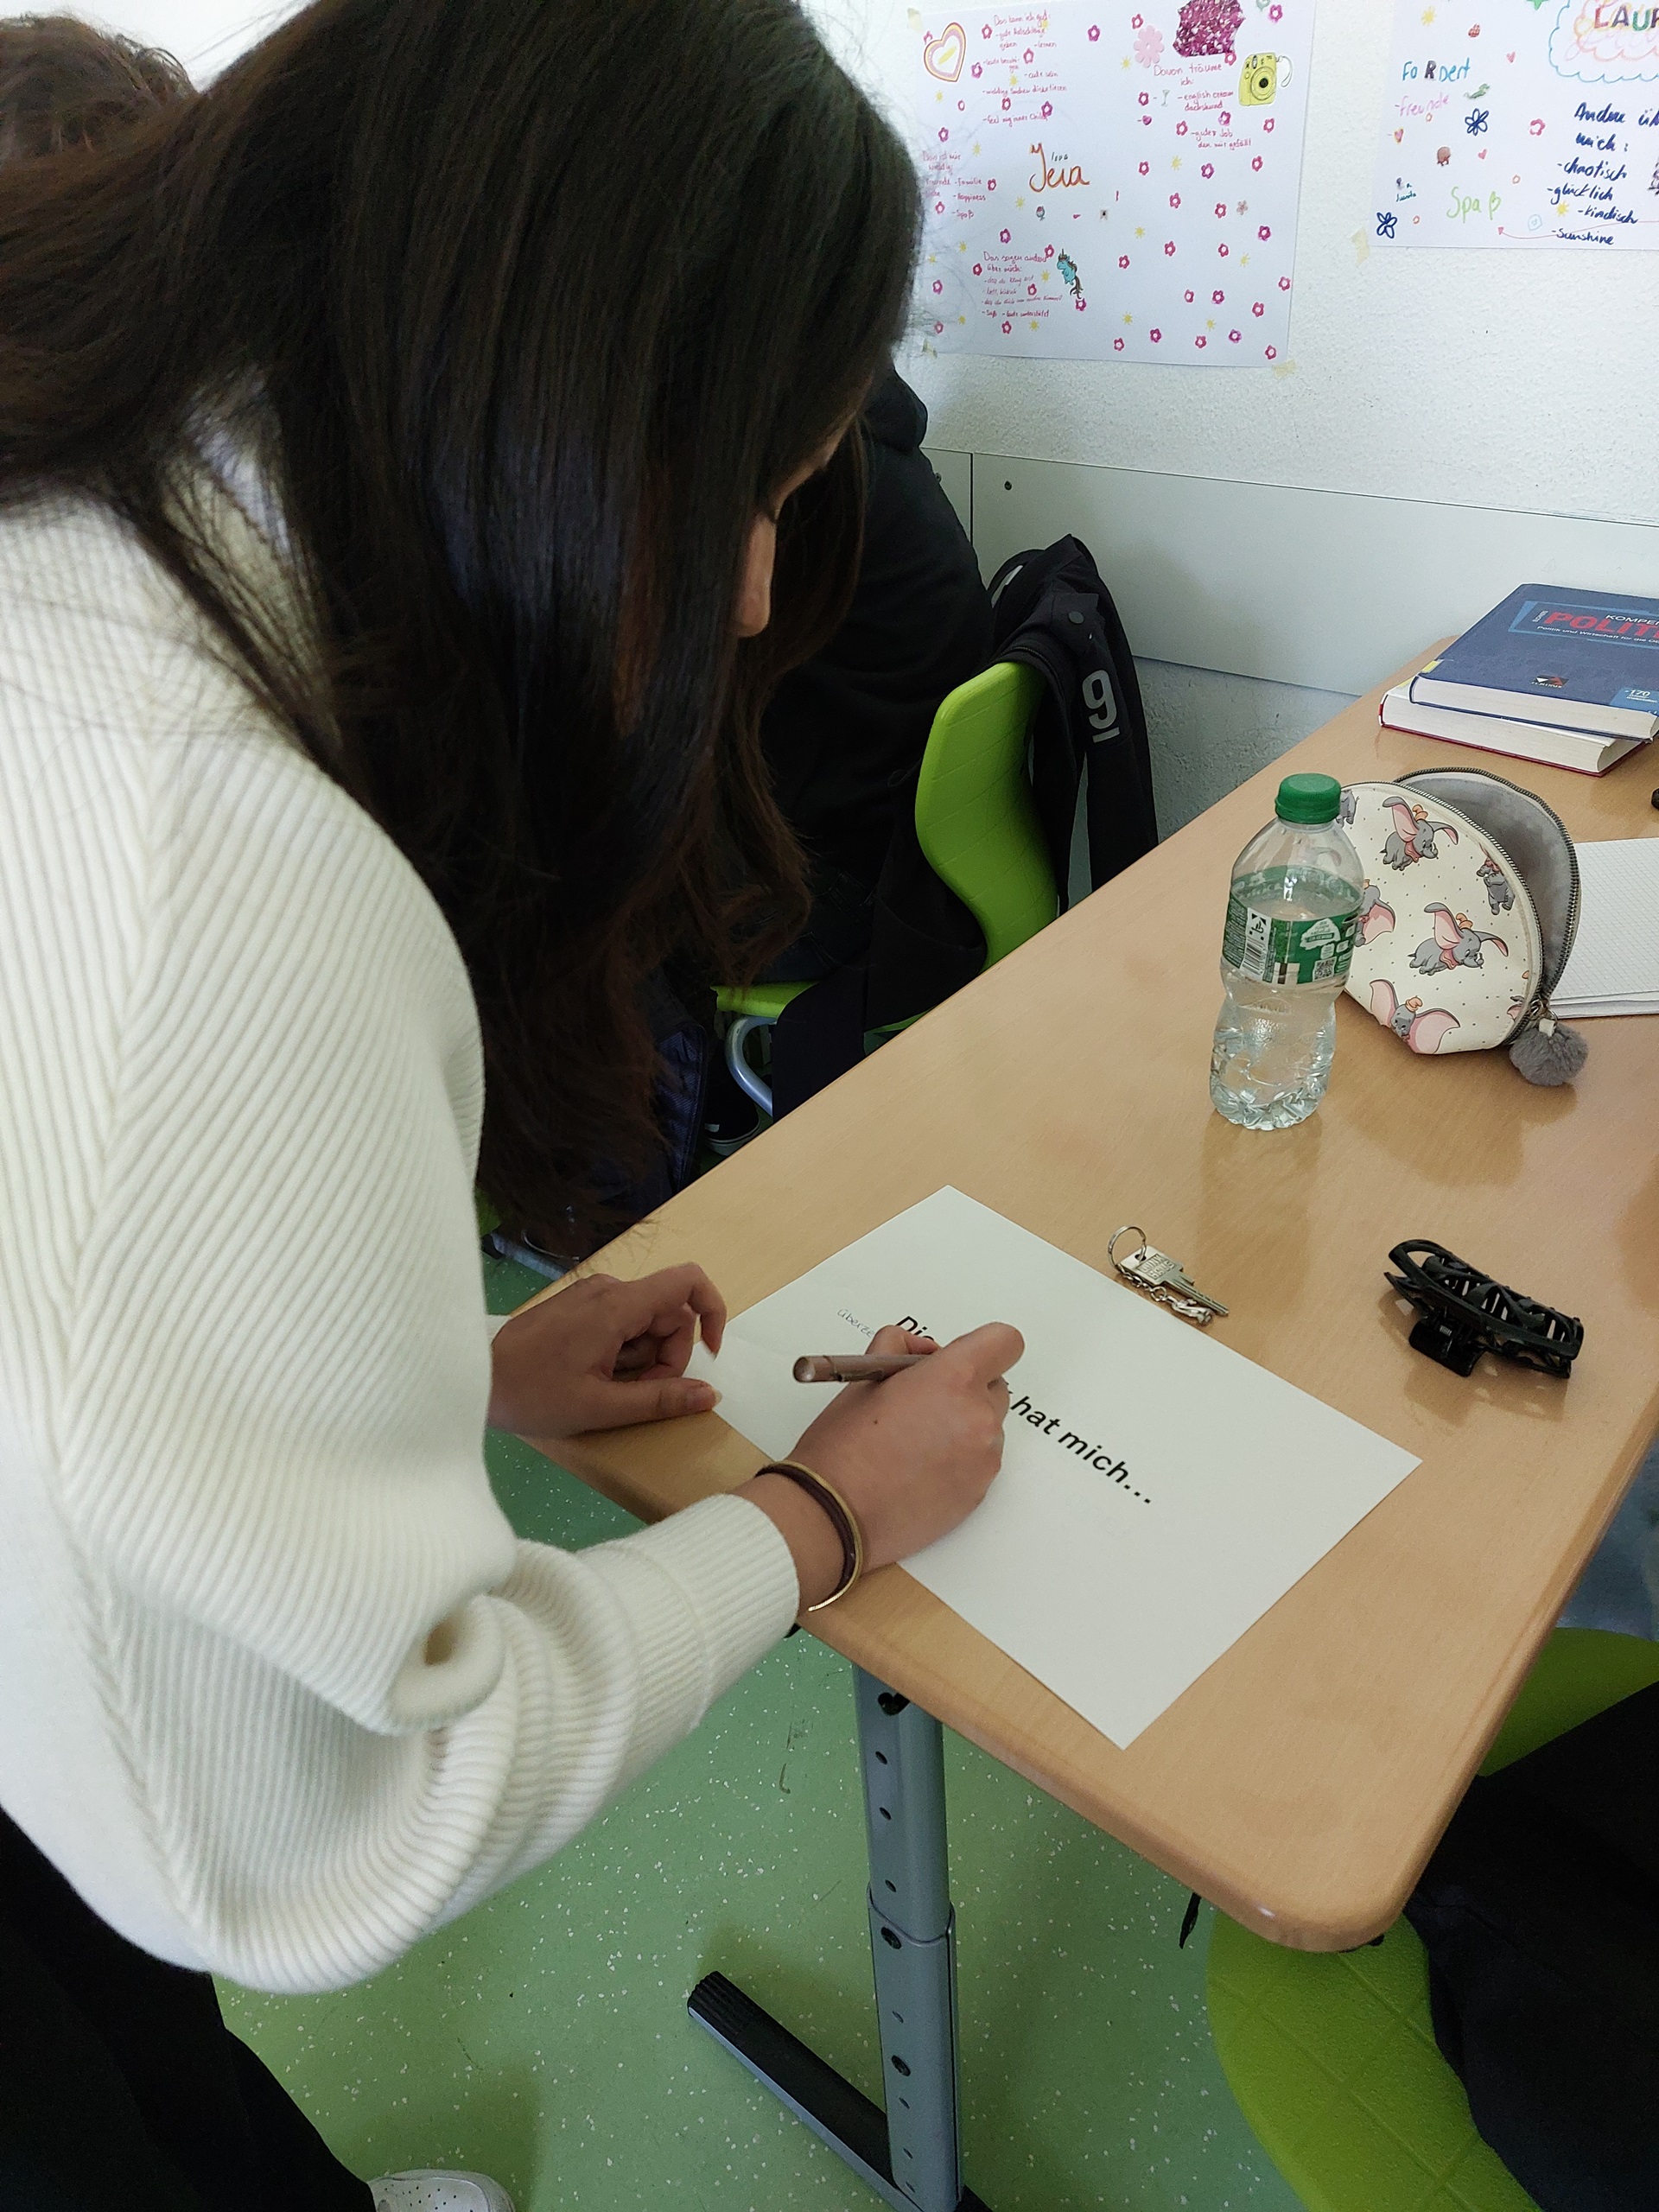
x=1308, y=798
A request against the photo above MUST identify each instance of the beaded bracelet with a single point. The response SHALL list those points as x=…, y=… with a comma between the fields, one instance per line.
x=842, y=1519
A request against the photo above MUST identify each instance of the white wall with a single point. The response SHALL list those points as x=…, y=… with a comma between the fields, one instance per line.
x=204, y=34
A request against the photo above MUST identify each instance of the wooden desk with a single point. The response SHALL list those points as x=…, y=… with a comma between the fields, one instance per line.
x=1301, y=1783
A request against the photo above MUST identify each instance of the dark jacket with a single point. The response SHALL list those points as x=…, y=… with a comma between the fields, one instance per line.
x=846, y=727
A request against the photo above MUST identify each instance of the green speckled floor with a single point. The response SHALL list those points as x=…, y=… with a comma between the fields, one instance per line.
x=544, y=2037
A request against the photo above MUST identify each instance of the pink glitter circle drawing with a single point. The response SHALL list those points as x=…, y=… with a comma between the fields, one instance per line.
x=1258, y=309
x=1174, y=199
x=1155, y=336
x=1262, y=232
x=1169, y=245
x=1200, y=339
x=1284, y=284
x=1272, y=353
x=1094, y=34
x=1123, y=260
x=1118, y=344
x=1189, y=299
x=937, y=285
x=1216, y=298
x=1234, y=336
x=1208, y=26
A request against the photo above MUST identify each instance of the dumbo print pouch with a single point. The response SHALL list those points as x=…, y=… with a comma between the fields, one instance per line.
x=1469, y=911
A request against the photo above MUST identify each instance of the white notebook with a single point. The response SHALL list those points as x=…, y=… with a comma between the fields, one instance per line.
x=1614, y=966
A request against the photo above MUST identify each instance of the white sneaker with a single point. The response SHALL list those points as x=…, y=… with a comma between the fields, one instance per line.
x=424, y=2189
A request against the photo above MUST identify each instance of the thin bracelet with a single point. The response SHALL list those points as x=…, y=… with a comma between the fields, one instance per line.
x=842, y=1519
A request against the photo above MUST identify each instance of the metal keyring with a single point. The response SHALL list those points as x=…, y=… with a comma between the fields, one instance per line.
x=1128, y=1228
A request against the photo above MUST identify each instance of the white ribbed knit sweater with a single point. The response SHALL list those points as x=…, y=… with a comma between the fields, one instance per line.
x=279, y=1690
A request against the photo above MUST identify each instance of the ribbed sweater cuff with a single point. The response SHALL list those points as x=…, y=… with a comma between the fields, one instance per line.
x=707, y=1592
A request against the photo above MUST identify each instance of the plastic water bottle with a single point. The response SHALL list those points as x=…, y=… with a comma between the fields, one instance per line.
x=1293, y=914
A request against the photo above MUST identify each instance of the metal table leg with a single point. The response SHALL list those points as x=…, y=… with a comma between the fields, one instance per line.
x=911, y=2154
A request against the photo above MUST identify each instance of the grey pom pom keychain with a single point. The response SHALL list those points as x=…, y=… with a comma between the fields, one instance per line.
x=1549, y=1053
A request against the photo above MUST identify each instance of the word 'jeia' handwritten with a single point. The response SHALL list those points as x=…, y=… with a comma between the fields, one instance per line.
x=1054, y=175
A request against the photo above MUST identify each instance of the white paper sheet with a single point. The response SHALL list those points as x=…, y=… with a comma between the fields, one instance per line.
x=1614, y=964
x=1158, y=1492
x=1512, y=125
x=1110, y=180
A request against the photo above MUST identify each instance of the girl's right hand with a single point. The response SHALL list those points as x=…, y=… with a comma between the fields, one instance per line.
x=912, y=1456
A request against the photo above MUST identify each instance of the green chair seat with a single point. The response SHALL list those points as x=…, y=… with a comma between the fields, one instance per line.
x=758, y=1001
x=977, y=824
x=1331, y=2056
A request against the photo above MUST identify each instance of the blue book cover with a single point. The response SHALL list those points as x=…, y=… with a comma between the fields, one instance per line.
x=1575, y=659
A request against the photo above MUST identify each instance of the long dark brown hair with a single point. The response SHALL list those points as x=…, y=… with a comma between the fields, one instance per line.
x=64, y=83
x=527, y=310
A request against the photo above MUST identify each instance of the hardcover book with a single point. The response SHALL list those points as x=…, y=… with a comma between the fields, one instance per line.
x=1575, y=660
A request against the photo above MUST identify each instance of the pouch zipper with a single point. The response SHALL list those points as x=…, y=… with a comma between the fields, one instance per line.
x=1538, y=1005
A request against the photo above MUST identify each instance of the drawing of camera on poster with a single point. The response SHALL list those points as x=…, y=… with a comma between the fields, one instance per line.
x=1529, y=125
x=1110, y=182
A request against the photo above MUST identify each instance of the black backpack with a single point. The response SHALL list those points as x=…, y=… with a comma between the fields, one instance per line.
x=1051, y=610
x=1540, y=1913
x=1089, y=750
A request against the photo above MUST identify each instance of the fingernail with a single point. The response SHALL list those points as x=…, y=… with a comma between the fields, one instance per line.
x=702, y=1397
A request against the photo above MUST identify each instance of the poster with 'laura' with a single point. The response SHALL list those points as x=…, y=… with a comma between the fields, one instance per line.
x=1110, y=182
x=1522, y=123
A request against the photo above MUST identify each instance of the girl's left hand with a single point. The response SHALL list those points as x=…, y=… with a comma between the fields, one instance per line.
x=605, y=1354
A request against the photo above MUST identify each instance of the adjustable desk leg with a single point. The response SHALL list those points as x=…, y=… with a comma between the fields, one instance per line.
x=911, y=2155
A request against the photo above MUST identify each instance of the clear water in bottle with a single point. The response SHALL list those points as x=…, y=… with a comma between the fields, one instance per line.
x=1293, y=914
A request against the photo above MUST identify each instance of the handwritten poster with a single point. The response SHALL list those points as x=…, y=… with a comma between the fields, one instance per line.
x=1522, y=123
x=1109, y=182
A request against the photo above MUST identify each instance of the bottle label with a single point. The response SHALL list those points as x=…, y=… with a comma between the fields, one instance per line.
x=1270, y=950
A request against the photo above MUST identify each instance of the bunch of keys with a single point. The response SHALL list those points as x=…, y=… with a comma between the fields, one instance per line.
x=1162, y=1278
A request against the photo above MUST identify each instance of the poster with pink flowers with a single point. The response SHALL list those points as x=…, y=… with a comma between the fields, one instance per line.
x=1111, y=179
x=1535, y=125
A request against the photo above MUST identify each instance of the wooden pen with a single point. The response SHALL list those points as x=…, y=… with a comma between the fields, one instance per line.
x=856, y=1366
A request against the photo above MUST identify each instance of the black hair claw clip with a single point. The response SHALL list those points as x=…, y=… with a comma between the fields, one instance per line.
x=1466, y=1314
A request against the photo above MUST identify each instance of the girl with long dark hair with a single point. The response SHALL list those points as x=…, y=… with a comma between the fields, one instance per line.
x=401, y=445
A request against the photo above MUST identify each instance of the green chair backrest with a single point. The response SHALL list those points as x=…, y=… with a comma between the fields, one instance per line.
x=976, y=818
